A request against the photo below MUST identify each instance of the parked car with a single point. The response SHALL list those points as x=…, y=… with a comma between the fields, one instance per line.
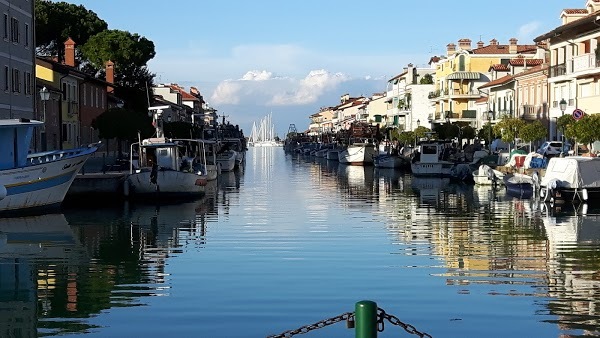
x=553, y=148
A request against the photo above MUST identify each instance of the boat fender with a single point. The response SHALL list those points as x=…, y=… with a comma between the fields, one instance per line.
x=584, y=194
x=553, y=184
x=3, y=192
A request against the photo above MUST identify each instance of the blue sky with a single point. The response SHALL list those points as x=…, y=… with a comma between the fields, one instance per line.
x=251, y=58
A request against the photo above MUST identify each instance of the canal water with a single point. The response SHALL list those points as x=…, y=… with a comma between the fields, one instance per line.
x=291, y=244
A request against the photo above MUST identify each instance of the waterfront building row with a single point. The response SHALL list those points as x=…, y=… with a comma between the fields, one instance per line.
x=475, y=85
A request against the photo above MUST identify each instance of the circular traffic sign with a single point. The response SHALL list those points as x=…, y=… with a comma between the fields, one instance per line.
x=578, y=114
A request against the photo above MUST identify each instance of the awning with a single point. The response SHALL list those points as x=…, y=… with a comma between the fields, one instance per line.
x=464, y=76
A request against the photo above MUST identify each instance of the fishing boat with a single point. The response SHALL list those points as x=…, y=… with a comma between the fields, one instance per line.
x=429, y=160
x=38, y=180
x=358, y=152
x=167, y=167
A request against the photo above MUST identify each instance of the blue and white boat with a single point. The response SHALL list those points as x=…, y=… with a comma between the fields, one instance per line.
x=38, y=180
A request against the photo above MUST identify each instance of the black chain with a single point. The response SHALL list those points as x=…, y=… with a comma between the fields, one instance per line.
x=381, y=315
x=317, y=325
x=349, y=317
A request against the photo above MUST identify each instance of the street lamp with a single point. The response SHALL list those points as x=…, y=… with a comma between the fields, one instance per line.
x=490, y=117
x=44, y=96
x=563, y=106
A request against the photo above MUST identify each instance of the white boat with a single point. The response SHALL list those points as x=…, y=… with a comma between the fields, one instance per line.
x=226, y=160
x=428, y=161
x=359, y=152
x=389, y=161
x=236, y=145
x=571, y=178
x=167, y=167
x=38, y=180
x=486, y=175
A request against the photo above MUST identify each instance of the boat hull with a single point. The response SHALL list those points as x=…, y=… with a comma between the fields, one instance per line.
x=358, y=154
x=168, y=182
x=436, y=169
x=40, y=186
x=389, y=161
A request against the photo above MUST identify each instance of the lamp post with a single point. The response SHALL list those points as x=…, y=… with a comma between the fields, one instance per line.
x=416, y=137
x=563, y=106
x=44, y=96
x=490, y=117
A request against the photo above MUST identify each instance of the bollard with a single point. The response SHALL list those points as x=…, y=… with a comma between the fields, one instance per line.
x=365, y=315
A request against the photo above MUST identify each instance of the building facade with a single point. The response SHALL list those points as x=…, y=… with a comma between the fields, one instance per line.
x=17, y=59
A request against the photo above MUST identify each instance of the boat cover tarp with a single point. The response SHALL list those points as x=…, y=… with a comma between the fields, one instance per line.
x=573, y=172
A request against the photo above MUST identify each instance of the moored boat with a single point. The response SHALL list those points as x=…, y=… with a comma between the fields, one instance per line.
x=167, y=167
x=39, y=180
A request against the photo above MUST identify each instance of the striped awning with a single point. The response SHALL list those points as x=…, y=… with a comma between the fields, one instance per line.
x=464, y=76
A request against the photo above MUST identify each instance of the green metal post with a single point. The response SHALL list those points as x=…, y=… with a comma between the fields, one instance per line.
x=365, y=316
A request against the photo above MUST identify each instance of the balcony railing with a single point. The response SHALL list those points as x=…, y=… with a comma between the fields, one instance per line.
x=558, y=70
x=531, y=112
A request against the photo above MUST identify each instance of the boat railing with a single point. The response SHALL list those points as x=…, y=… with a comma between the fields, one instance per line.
x=54, y=155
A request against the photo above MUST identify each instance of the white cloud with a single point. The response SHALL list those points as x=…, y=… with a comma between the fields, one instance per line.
x=527, y=31
x=261, y=87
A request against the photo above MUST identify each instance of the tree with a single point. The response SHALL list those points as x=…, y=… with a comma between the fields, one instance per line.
x=486, y=132
x=122, y=124
x=468, y=132
x=180, y=129
x=421, y=131
x=406, y=137
x=55, y=22
x=532, y=132
x=509, y=128
x=586, y=130
x=130, y=54
x=426, y=79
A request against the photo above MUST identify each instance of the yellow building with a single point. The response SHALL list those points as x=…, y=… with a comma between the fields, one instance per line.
x=460, y=74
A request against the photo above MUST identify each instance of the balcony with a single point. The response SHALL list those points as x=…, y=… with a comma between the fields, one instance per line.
x=459, y=93
x=558, y=70
x=585, y=63
x=532, y=113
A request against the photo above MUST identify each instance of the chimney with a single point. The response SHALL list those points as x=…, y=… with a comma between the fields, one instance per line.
x=70, y=52
x=493, y=42
x=512, y=47
x=450, y=49
x=110, y=76
x=480, y=44
x=194, y=91
x=464, y=44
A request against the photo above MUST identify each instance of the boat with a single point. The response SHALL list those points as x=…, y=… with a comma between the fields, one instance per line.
x=226, y=159
x=571, y=178
x=521, y=185
x=39, y=180
x=264, y=134
x=390, y=161
x=430, y=160
x=486, y=175
x=358, y=152
x=167, y=166
x=236, y=145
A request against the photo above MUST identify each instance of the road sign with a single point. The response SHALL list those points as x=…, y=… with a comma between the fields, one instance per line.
x=578, y=114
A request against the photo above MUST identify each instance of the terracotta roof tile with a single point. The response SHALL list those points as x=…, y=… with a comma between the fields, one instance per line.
x=502, y=80
x=535, y=69
x=523, y=61
x=500, y=68
x=504, y=49
x=575, y=11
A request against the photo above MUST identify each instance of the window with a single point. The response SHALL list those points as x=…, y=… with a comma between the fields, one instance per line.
x=5, y=26
x=26, y=35
x=6, y=77
x=27, y=81
x=14, y=30
x=585, y=90
x=16, y=81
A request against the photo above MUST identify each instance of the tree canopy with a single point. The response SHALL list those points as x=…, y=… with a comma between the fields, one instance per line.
x=55, y=22
x=130, y=54
x=586, y=130
x=122, y=124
